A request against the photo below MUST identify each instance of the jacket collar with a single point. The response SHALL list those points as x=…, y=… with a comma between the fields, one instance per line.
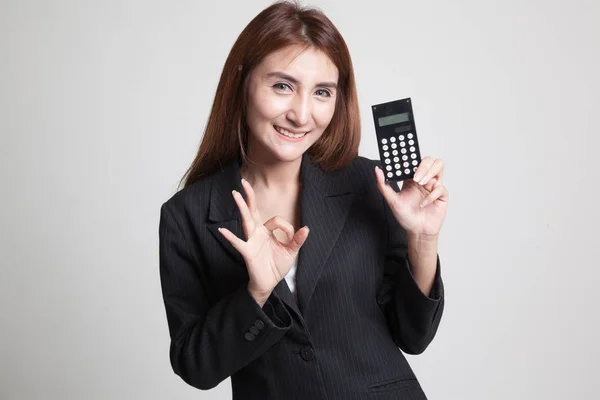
x=228, y=178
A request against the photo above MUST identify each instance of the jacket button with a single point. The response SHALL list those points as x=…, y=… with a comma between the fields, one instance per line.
x=249, y=337
x=259, y=324
x=254, y=330
x=307, y=353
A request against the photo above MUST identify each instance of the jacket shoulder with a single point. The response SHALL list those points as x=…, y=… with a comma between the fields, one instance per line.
x=360, y=175
x=363, y=168
x=365, y=164
x=191, y=200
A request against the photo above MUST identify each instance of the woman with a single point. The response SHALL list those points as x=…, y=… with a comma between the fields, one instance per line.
x=286, y=262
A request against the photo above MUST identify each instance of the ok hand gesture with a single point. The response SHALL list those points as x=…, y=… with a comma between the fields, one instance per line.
x=267, y=259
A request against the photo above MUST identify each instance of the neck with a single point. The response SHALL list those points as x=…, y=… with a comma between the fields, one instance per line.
x=271, y=175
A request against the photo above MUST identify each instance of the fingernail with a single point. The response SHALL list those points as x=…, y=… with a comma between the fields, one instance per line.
x=234, y=191
x=243, y=180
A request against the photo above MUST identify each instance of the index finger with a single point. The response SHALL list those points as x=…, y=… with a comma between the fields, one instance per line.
x=248, y=221
x=251, y=199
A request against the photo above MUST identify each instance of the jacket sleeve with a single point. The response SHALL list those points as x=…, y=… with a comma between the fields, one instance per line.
x=210, y=342
x=413, y=317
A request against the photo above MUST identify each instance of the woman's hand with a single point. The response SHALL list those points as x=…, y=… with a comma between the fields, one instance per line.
x=425, y=188
x=267, y=259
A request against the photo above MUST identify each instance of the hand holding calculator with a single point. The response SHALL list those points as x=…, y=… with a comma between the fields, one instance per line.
x=420, y=206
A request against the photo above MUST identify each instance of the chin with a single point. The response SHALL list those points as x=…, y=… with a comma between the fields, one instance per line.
x=289, y=156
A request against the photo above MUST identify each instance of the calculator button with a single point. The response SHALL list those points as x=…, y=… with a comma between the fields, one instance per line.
x=402, y=144
x=407, y=171
x=392, y=139
x=397, y=166
x=415, y=168
x=410, y=135
x=404, y=157
x=386, y=154
x=390, y=174
x=413, y=155
x=403, y=151
x=411, y=142
x=389, y=167
x=398, y=172
x=395, y=152
x=384, y=147
x=406, y=164
x=396, y=159
x=387, y=161
x=412, y=148
x=384, y=141
x=401, y=137
x=394, y=145
x=414, y=162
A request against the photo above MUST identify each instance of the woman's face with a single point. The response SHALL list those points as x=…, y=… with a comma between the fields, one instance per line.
x=289, y=96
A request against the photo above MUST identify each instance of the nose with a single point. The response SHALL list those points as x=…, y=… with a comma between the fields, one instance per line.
x=300, y=109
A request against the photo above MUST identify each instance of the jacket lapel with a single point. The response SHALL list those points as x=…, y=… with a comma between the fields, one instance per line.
x=223, y=212
x=325, y=200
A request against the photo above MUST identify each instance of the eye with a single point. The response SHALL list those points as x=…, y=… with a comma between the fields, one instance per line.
x=323, y=92
x=281, y=86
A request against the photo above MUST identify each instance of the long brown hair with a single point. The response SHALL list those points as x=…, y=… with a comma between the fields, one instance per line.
x=279, y=25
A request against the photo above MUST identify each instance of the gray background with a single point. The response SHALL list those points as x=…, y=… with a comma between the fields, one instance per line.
x=102, y=106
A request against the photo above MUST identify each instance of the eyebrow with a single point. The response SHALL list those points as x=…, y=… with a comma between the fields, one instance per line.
x=295, y=81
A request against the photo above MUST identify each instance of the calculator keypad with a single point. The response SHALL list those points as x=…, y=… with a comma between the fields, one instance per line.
x=399, y=163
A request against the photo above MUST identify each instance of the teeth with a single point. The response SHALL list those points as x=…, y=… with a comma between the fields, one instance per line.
x=288, y=133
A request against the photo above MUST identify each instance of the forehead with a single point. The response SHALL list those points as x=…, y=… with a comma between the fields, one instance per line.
x=302, y=63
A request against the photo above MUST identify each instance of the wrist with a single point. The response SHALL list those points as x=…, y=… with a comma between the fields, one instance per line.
x=422, y=238
x=260, y=297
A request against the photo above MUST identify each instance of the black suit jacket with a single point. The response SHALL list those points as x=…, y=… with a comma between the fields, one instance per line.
x=358, y=303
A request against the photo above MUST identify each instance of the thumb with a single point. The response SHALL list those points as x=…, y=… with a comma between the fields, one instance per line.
x=299, y=238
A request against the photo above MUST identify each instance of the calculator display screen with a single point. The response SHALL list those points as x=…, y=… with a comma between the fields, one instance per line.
x=393, y=119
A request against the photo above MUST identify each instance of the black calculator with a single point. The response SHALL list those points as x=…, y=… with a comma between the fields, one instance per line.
x=397, y=139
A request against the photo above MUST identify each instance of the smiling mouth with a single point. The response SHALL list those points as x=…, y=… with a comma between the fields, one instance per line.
x=289, y=134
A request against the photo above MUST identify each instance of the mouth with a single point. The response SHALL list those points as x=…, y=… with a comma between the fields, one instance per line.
x=289, y=134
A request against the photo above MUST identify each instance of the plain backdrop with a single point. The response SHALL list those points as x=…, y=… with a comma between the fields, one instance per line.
x=102, y=107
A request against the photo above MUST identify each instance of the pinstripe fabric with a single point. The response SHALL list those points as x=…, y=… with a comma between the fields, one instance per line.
x=358, y=303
